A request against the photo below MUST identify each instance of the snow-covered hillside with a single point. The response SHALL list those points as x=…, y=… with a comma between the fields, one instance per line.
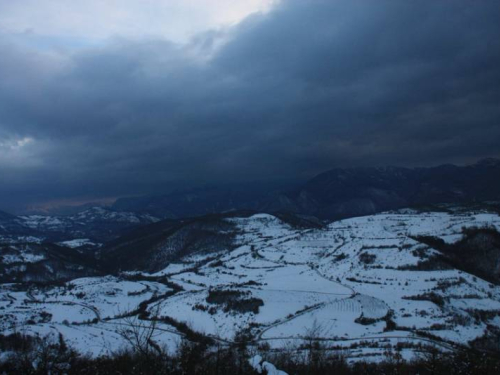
x=362, y=285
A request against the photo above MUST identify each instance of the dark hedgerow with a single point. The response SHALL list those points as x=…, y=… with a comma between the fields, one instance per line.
x=367, y=258
x=235, y=300
x=433, y=297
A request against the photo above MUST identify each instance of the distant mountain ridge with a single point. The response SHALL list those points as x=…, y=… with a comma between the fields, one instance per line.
x=338, y=193
x=342, y=193
x=194, y=202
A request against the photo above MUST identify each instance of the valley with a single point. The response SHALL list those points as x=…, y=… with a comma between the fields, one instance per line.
x=363, y=287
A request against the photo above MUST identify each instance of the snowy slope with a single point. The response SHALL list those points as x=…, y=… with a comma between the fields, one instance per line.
x=362, y=285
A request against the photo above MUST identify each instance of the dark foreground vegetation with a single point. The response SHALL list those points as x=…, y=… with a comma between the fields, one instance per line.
x=27, y=355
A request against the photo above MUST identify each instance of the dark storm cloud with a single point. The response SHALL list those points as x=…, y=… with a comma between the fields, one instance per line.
x=308, y=86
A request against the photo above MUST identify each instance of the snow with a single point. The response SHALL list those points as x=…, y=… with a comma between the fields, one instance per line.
x=79, y=242
x=89, y=216
x=259, y=365
x=21, y=257
x=20, y=239
x=345, y=281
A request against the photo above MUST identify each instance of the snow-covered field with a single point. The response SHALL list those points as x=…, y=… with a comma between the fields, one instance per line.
x=353, y=285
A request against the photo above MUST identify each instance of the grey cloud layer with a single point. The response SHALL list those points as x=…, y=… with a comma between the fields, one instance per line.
x=309, y=86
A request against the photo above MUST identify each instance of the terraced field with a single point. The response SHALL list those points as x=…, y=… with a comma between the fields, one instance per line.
x=352, y=284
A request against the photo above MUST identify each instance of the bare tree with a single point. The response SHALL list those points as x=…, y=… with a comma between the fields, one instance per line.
x=140, y=334
x=313, y=344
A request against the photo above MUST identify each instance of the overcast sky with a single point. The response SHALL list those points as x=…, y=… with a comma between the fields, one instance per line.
x=102, y=98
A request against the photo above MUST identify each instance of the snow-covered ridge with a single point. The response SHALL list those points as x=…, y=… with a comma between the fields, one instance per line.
x=95, y=214
x=98, y=224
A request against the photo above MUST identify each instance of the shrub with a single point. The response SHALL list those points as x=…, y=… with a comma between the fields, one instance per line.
x=367, y=258
x=234, y=300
